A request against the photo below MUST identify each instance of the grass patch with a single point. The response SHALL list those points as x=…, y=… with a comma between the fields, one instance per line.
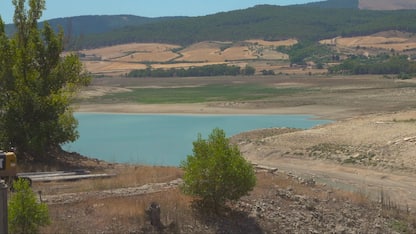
x=208, y=93
x=399, y=226
x=411, y=120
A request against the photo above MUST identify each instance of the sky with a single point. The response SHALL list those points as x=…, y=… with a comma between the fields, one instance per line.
x=147, y=8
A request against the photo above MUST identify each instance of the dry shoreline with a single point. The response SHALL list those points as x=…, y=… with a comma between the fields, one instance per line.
x=320, y=112
x=369, y=145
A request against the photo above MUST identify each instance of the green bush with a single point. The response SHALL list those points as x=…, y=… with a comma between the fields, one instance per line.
x=26, y=215
x=217, y=172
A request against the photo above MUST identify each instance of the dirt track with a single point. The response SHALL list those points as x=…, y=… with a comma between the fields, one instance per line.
x=372, y=154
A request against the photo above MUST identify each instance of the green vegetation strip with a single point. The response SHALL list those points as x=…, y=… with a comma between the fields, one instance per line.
x=244, y=92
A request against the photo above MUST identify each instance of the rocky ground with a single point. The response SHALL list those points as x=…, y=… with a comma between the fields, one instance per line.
x=281, y=203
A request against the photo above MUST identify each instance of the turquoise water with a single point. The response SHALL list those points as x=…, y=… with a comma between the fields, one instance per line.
x=164, y=139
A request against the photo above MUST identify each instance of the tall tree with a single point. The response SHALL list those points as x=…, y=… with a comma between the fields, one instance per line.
x=37, y=84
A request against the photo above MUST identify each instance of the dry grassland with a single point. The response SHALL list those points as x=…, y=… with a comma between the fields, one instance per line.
x=118, y=51
x=212, y=52
x=153, y=57
x=110, y=67
x=277, y=202
x=389, y=41
x=119, y=60
x=287, y=42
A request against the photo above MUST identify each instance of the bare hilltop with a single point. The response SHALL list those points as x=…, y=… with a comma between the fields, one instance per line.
x=387, y=4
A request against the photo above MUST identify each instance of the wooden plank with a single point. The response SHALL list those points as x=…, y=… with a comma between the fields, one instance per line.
x=48, y=175
x=62, y=175
x=69, y=177
x=28, y=174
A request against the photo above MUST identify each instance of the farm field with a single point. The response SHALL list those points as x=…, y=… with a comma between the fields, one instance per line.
x=121, y=59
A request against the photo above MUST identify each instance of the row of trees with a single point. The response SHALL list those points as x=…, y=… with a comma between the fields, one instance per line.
x=382, y=64
x=207, y=70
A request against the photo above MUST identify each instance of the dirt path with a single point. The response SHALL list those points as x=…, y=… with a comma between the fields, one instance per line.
x=399, y=189
x=120, y=192
x=372, y=154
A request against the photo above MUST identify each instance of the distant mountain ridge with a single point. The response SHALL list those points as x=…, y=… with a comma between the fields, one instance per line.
x=353, y=4
x=311, y=21
x=98, y=24
x=389, y=5
x=92, y=24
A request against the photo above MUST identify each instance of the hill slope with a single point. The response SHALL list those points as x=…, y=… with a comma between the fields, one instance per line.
x=260, y=22
x=387, y=4
x=90, y=24
x=313, y=21
x=334, y=4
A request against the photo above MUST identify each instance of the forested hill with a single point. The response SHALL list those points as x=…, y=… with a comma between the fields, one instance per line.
x=93, y=24
x=311, y=21
x=353, y=4
x=262, y=22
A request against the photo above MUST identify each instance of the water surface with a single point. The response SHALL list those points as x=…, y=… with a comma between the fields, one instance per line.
x=159, y=139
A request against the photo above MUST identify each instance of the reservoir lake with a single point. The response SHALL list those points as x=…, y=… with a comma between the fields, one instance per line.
x=164, y=139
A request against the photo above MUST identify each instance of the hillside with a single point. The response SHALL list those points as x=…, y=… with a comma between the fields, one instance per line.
x=387, y=4
x=333, y=4
x=79, y=26
x=261, y=22
x=308, y=22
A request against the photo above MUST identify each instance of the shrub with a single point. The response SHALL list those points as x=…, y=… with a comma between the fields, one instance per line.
x=26, y=215
x=217, y=172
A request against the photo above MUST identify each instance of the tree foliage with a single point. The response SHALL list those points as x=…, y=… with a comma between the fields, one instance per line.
x=313, y=21
x=305, y=51
x=25, y=214
x=381, y=64
x=217, y=172
x=206, y=70
x=306, y=23
x=36, y=84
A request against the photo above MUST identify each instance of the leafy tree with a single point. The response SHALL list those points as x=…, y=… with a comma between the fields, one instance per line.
x=217, y=172
x=381, y=64
x=305, y=51
x=249, y=70
x=25, y=214
x=37, y=84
